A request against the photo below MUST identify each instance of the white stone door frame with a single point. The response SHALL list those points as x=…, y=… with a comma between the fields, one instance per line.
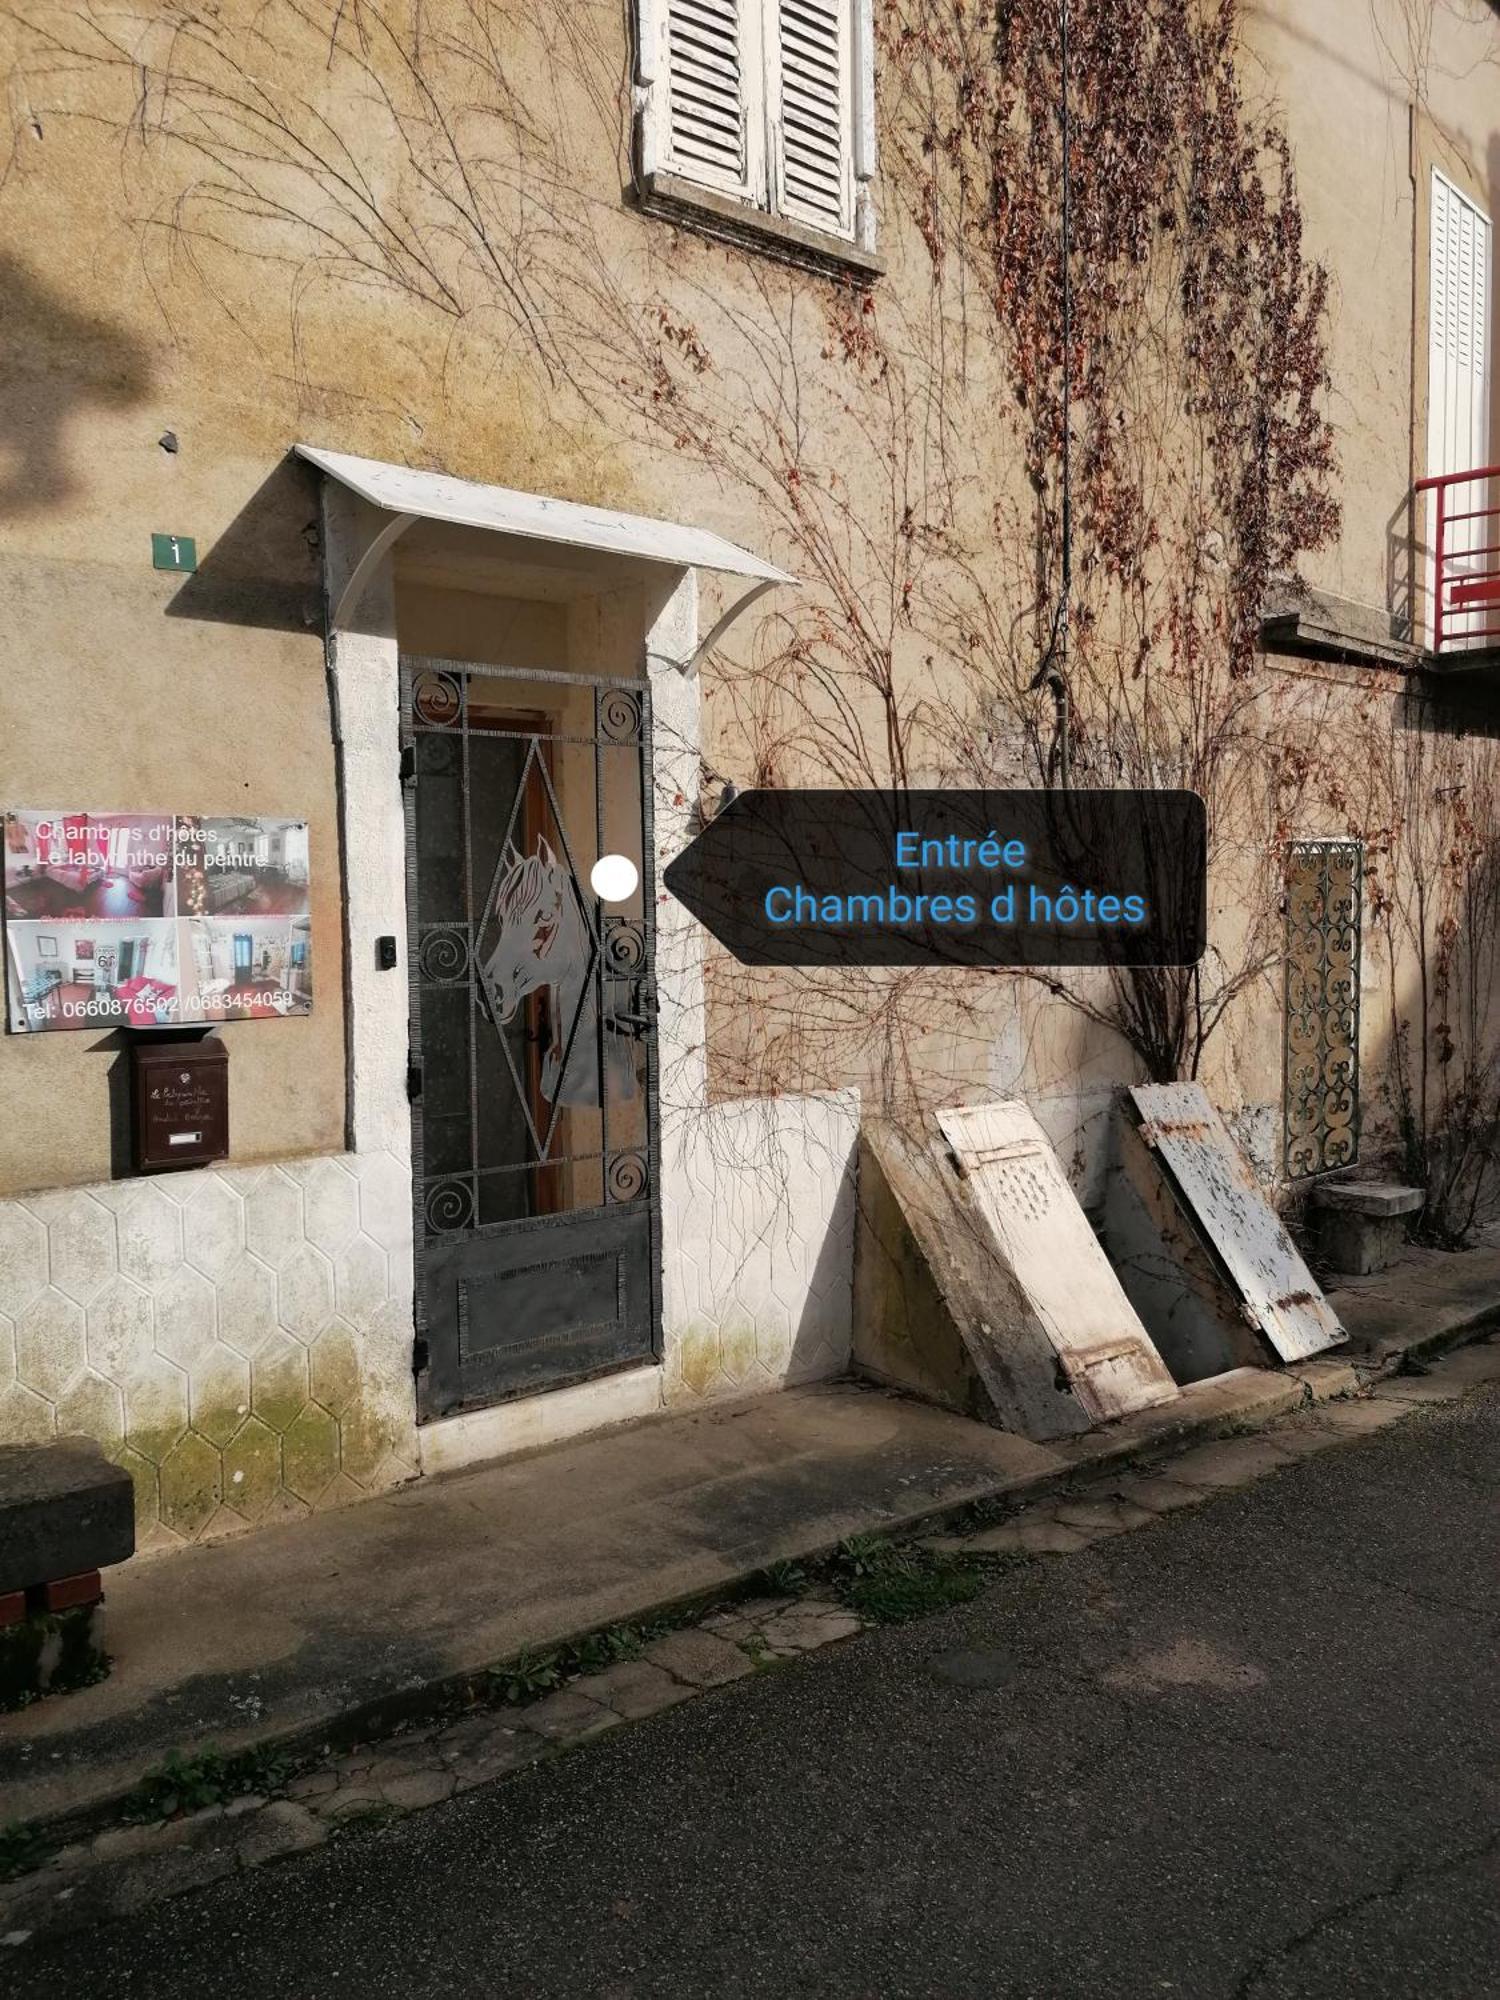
x=757, y=1207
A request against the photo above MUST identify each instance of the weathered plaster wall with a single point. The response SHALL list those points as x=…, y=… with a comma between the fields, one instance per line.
x=238, y=1338
x=1374, y=94
x=439, y=355
x=115, y=699
x=757, y=1195
x=128, y=688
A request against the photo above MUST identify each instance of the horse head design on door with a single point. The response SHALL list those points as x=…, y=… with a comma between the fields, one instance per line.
x=544, y=946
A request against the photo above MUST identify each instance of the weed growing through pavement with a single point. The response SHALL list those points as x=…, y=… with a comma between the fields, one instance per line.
x=785, y=1579
x=207, y=1778
x=891, y=1582
x=21, y=1847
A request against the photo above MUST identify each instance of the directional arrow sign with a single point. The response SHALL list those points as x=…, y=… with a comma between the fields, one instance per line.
x=952, y=878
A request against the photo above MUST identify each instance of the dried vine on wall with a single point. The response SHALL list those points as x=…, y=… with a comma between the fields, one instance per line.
x=1203, y=462
x=899, y=447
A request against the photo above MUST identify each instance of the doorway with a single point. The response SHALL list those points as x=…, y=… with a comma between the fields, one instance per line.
x=532, y=1030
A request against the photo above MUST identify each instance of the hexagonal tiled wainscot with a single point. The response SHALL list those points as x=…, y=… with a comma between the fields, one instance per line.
x=235, y=1337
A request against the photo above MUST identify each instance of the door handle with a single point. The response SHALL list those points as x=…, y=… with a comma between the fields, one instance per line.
x=640, y=1018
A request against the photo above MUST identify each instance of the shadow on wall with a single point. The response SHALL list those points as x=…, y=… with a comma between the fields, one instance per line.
x=58, y=361
x=263, y=570
x=1430, y=1050
x=1405, y=554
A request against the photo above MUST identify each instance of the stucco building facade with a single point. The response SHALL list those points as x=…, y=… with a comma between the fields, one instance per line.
x=681, y=270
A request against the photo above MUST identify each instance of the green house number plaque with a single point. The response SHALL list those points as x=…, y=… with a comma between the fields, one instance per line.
x=174, y=552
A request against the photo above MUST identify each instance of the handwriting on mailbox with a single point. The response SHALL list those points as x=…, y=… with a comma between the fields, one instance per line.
x=183, y=1096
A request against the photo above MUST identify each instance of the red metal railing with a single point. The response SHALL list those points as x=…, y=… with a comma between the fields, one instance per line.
x=1466, y=557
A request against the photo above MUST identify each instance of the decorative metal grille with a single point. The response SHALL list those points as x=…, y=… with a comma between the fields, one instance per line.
x=532, y=1002
x=1321, y=1009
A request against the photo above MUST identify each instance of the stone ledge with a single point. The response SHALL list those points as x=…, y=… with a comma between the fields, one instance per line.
x=125, y=1868
x=670, y=198
x=1244, y=1397
x=1319, y=625
x=1380, y=1199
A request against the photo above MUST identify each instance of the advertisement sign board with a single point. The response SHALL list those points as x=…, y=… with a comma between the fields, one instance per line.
x=153, y=920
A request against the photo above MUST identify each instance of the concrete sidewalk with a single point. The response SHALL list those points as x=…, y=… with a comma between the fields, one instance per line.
x=277, y=1635
x=343, y=1619
x=1235, y=1751
x=1426, y=1300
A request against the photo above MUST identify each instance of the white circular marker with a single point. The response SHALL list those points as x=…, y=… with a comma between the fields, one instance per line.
x=613, y=878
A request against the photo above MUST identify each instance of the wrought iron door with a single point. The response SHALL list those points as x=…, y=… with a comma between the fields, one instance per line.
x=533, y=1055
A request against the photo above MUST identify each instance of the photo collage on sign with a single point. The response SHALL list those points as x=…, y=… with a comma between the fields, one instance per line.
x=154, y=920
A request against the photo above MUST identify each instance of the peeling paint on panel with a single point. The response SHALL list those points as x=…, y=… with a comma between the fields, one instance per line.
x=1212, y=1181
x=1045, y=1239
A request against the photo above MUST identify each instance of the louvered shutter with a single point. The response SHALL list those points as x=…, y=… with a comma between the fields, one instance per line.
x=812, y=141
x=1459, y=432
x=1458, y=370
x=707, y=66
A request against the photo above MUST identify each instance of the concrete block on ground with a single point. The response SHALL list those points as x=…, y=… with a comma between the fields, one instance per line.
x=567, y=1717
x=64, y=1510
x=1033, y=1535
x=416, y=1789
x=1303, y=1436
x=1382, y=1200
x=807, y=1626
x=1161, y=1495
x=282, y=1827
x=1104, y=1516
x=1362, y=1226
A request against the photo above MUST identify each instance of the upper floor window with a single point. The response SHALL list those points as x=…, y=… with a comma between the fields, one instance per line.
x=769, y=103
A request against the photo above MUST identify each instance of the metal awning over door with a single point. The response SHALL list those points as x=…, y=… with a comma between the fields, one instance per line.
x=535, y=522
x=1044, y=1237
x=503, y=510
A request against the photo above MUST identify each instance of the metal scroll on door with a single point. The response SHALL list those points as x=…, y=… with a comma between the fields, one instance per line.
x=532, y=1031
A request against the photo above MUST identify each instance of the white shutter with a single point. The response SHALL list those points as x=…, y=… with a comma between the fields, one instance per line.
x=1458, y=365
x=1458, y=433
x=707, y=92
x=1043, y=1236
x=813, y=113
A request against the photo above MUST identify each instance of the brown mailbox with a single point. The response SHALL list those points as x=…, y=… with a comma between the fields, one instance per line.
x=181, y=1093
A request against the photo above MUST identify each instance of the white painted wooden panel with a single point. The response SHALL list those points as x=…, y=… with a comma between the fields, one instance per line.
x=812, y=141
x=1213, y=1179
x=714, y=63
x=1045, y=1238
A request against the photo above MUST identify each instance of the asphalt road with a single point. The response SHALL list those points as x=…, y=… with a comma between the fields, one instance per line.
x=1249, y=1751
